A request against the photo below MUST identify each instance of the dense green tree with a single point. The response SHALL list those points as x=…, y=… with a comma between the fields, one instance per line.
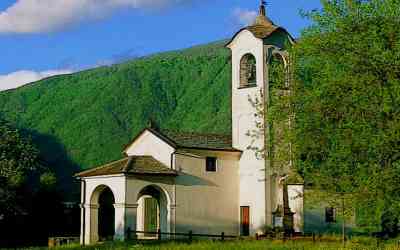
x=18, y=161
x=339, y=120
x=27, y=191
x=346, y=101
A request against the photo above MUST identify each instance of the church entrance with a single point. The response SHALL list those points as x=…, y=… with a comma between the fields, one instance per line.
x=152, y=211
x=106, y=215
x=244, y=221
x=151, y=215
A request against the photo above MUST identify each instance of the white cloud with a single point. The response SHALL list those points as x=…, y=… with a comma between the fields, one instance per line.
x=37, y=16
x=244, y=17
x=20, y=78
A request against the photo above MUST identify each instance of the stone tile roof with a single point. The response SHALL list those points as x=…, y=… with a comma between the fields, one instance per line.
x=132, y=165
x=262, y=31
x=262, y=28
x=200, y=140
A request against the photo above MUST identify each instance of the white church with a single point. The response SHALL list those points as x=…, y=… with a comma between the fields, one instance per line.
x=178, y=182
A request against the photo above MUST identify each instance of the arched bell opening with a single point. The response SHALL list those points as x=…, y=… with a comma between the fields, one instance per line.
x=248, y=71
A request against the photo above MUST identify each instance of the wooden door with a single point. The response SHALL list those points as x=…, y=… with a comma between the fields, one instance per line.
x=245, y=221
x=150, y=215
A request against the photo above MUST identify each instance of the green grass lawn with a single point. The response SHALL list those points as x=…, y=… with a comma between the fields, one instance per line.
x=356, y=244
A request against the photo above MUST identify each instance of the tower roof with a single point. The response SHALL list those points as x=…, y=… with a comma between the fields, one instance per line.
x=262, y=27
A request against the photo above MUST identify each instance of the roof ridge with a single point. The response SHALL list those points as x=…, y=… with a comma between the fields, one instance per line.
x=196, y=133
x=128, y=165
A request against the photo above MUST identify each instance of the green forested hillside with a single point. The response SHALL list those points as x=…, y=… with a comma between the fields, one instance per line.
x=85, y=119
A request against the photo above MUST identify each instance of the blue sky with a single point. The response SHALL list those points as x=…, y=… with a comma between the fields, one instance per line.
x=38, y=37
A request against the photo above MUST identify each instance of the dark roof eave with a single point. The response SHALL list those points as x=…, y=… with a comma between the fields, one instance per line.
x=152, y=174
x=96, y=175
x=247, y=28
x=233, y=150
x=129, y=174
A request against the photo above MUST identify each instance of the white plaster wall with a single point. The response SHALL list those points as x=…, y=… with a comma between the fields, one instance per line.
x=149, y=144
x=115, y=183
x=207, y=202
x=252, y=170
x=296, y=195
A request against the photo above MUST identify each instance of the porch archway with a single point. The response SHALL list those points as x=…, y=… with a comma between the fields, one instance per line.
x=102, y=216
x=153, y=211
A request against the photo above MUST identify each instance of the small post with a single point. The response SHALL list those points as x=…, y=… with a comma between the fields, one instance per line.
x=159, y=234
x=313, y=237
x=256, y=236
x=128, y=233
x=222, y=236
x=343, y=223
x=190, y=236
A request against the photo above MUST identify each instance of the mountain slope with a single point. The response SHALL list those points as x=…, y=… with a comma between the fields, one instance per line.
x=84, y=119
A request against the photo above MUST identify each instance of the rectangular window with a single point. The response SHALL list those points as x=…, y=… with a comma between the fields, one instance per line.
x=330, y=215
x=211, y=164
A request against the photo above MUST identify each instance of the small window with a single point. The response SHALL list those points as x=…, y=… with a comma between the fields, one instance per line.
x=248, y=71
x=211, y=164
x=330, y=215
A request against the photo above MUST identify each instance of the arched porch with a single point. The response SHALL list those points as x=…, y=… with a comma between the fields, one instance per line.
x=114, y=205
x=126, y=184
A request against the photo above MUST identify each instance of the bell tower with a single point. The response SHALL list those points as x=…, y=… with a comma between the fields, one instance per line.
x=252, y=48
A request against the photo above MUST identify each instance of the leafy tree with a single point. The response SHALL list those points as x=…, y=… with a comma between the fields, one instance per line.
x=27, y=191
x=346, y=101
x=339, y=120
x=18, y=161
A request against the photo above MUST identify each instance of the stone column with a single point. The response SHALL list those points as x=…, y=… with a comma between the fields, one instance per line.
x=131, y=219
x=82, y=206
x=125, y=217
x=120, y=229
x=91, y=233
x=83, y=225
x=172, y=219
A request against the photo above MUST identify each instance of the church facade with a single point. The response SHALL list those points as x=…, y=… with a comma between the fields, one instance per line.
x=177, y=182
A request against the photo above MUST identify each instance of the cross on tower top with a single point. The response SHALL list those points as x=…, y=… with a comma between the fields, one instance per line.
x=262, y=18
x=262, y=8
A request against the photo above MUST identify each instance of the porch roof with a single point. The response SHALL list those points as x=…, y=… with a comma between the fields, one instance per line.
x=132, y=165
